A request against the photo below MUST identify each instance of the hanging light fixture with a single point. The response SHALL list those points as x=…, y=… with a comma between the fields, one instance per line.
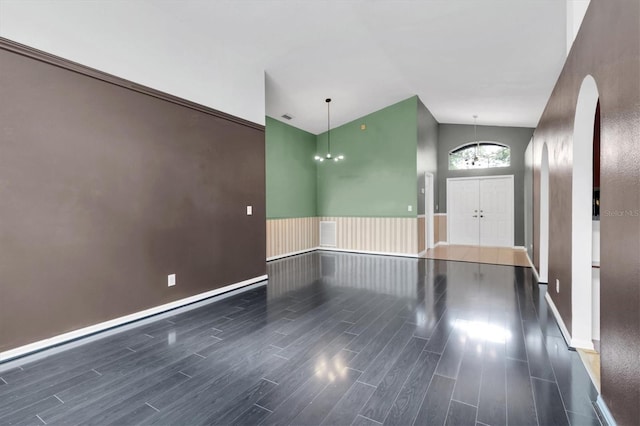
x=475, y=158
x=329, y=156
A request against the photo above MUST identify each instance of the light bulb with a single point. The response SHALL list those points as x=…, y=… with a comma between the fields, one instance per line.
x=328, y=155
x=322, y=159
x=317, y=157
x=341, y=157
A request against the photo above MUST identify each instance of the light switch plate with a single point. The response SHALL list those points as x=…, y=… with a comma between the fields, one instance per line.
x=409, y=208
x=249, y=210
x=171, y=280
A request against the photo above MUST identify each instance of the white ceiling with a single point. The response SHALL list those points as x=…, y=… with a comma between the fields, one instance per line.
x=495, y=58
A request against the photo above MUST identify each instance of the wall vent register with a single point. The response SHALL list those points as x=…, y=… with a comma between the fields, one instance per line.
x=328, y=236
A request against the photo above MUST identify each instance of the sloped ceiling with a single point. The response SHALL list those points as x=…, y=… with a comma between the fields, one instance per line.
x=495, y=58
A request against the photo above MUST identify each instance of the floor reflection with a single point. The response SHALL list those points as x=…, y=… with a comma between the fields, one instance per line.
x=395, y=276
x=333, y=338
x=482, y=331
x=426, y=285
x=474, y=317
x=330, y=370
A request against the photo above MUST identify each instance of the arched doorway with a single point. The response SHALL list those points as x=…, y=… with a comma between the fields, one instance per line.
x=582, y=296
x=544, y=215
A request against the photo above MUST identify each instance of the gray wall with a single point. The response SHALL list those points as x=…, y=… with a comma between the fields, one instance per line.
x=427, y=152
x=517, y=138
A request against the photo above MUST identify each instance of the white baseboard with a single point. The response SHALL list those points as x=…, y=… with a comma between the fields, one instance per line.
x=604, y=410
x=446, y=243
x=93, y=329
x=422, y=253
x=380, y=253
x=582, y=344
x=533, y=268
x=556, y=314
x=293, y=253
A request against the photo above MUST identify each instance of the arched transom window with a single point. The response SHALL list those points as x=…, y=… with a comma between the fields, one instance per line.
x=479, y=155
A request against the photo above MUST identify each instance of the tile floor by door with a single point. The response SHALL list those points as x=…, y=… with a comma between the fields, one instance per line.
x=480, y=254
x=333, y=339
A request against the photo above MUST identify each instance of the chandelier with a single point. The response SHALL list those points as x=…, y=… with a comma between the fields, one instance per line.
x=475, y=158
x=328, y=156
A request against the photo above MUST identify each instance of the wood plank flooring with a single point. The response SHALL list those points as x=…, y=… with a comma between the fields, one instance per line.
x=412, y=341
x=479, y=254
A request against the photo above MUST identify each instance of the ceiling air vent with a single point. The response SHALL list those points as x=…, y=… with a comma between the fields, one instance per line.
x=287, y=116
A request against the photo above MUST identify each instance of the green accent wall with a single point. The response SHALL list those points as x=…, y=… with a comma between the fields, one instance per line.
x=290, y=171
x=378, y=176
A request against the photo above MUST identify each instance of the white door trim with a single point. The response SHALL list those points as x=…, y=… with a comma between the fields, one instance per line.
x=428, y=210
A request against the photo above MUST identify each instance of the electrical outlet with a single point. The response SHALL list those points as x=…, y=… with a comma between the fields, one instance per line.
x=409, y=208
x=249, y=210
x=557, y=285
x=171, y=280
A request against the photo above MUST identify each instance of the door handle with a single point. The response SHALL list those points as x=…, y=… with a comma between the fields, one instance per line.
x=481, y=215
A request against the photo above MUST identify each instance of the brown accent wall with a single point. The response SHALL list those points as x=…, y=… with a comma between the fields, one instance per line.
x=607, y=48
x=105, y=190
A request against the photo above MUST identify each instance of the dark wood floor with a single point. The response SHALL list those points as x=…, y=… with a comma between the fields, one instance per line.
x=333, y=339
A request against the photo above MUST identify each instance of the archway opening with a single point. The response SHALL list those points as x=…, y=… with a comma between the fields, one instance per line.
x=582, y=294
x=544, y=215
x=595, y=335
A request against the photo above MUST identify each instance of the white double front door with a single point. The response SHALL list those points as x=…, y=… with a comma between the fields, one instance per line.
x=480, y=211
